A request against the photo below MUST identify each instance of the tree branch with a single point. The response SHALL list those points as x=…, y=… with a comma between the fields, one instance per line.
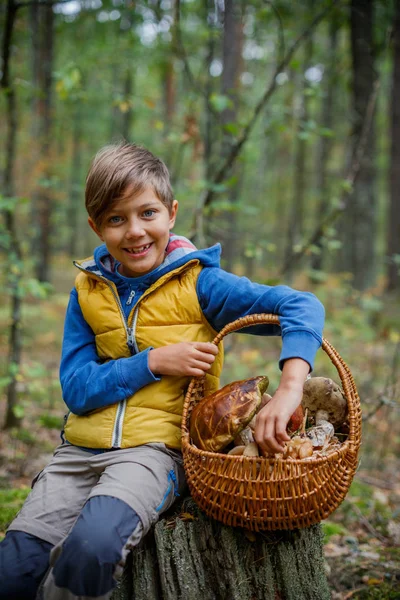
x=208, y=194
x=349, y=180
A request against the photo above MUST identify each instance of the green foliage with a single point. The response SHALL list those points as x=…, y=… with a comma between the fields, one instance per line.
x=35, y=288
x=69, y=82
x=51, y=421
x=10, y=503
x=219, y=102
x=24, y=435
x=380, y=591
x=331, y=528
x=18, y=411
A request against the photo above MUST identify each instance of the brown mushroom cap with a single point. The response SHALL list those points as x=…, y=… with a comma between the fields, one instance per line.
x=324, y=399
x=218, y=418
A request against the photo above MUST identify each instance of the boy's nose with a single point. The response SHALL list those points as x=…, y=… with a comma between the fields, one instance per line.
x=134, y=229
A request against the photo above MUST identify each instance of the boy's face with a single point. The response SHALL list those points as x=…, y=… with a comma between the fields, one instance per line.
x=136, y=231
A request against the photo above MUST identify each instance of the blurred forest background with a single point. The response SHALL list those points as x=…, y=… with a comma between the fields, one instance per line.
x=280, y=124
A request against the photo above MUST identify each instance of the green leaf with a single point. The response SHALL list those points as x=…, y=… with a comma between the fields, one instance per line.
x=219, y=102
x=4, y=382
x=325, y=132
x=18, y=411
x=232, y=128
x=317, y=276
x=36, y=288
x=333, y=244
x=329, y=529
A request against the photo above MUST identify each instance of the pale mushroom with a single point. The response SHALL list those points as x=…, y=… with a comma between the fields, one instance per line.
x=326, y=405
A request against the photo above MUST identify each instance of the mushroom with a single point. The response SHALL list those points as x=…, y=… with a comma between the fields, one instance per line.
x=219, y=418
x=327, y=405
x=299, y=447
x=236, y=450
x=244, y=437
x=251, y=450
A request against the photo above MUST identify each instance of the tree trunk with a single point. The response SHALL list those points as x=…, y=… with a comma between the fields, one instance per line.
x=13, y=247
x=300, y=178
x=127, y=112
x=190, y=557
x=75, y=192
x=43, y=195
x=325, y=142
x=34, y=29
x=393, y=228
x=232, y=68
x=359, y=223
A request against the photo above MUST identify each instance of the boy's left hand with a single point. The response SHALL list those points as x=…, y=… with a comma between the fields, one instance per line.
x=270, y=431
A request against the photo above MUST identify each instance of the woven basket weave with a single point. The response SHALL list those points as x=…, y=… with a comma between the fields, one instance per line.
x=267, y=494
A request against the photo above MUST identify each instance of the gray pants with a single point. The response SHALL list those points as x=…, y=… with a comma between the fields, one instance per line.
x=146, y=478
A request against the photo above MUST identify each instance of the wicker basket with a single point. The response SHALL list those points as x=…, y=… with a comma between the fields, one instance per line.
x=266, y=494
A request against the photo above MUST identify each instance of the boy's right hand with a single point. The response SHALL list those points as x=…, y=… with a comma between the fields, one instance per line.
x=186, y=358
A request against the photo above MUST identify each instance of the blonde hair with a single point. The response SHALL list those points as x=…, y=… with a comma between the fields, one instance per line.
x=117, y=166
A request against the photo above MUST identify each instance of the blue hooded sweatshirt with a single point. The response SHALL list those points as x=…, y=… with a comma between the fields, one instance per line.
x=88, y=383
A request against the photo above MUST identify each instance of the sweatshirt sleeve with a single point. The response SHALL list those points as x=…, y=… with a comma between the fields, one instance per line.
x=225, y=297
x=87, y=382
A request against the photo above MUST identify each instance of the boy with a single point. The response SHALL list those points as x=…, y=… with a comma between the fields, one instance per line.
x=138, y=326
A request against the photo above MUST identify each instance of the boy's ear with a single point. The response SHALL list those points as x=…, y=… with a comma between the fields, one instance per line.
x=174, y=210
x=95, y=229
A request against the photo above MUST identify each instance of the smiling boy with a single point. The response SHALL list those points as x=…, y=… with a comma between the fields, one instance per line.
x=139, y=325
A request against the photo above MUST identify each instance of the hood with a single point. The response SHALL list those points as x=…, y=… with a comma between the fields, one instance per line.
x=179, y=251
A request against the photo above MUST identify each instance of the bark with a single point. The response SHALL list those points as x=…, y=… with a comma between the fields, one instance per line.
x=325, y=143
x=393, y=229
x=42, y=195
x=169, y=85
x=230, y=83
x=191, y=557
x=127, y=113
x=34, y=28
x=296, y=217
x=73, y=212
x=359, y=223
x=208, y=113
x=8, y=177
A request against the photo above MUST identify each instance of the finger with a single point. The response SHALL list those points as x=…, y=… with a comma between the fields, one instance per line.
x=208, y=358
x=204, y=366
x=195, y=372
x=280, y=431
x=267, y=439
x=207, y=347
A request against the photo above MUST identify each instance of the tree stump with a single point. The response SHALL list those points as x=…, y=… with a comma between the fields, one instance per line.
x=188, y=556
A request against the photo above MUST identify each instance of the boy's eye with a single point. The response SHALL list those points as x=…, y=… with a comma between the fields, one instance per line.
x=149, y=213
x=114, y=220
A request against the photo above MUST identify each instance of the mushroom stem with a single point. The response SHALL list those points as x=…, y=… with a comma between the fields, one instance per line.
x=321, y=415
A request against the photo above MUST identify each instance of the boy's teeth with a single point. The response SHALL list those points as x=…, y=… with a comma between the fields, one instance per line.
x=138, y=250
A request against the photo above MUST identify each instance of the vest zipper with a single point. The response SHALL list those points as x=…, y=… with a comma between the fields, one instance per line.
x=131, y=297
x=129, y=334
x=117, y=429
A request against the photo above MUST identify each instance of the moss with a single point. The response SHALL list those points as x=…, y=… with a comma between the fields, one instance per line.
x=384, y=591
x=10, y=503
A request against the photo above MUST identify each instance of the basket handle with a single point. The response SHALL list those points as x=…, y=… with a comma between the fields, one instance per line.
x=348, y=384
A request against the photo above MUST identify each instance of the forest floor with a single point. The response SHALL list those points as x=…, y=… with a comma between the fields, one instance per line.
x=362, y=537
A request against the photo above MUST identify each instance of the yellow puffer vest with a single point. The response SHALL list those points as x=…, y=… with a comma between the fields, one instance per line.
x=167, y=313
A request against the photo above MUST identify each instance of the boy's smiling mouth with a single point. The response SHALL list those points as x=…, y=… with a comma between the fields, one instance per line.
x=139, y=250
